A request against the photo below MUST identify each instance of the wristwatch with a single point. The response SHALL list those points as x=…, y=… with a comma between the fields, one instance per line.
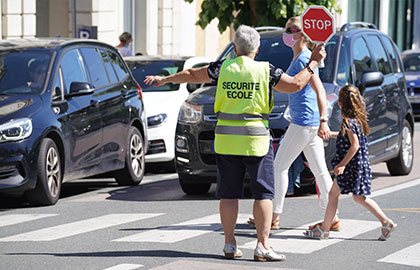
x=323, y=118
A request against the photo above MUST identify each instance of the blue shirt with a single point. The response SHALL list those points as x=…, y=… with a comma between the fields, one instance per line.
x=303, y=104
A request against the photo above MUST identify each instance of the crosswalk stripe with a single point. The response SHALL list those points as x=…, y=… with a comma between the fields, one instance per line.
x=180, y=231
x=7, y=220
x=125, y=266
x=407, y=256
x=78, y=227
x=293, y=241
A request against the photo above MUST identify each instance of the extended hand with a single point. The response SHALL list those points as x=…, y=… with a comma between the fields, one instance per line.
x=338, y=170
x=158, y=80
x=324, y=131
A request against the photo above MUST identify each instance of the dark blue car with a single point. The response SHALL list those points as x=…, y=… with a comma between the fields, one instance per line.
x=411, y=60
x=358, y=54
x=68, y=109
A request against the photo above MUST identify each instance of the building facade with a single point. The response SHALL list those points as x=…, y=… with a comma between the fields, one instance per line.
x=167, y=27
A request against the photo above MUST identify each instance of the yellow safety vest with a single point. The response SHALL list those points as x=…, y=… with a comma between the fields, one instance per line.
x=242, y=107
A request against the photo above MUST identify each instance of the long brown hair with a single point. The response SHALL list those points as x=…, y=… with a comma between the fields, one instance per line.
x=352, y=106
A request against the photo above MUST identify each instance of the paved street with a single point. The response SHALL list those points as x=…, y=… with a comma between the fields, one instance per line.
x=98, y=225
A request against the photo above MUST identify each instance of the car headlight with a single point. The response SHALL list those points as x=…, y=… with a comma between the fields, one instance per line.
x=16, y=130
x=190, y=113
x=156, y=120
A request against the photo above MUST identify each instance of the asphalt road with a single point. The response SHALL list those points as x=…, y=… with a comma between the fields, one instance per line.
x=98, y=225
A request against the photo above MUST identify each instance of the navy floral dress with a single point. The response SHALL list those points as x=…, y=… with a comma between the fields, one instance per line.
x=357, y=176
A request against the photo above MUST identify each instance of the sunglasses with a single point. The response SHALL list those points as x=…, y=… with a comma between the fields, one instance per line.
x=291, y=30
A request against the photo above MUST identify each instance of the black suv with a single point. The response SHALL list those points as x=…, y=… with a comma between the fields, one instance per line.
x=357, y=54
x=68, y=109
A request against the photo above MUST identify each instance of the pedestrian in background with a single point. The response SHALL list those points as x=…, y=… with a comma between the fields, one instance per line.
x=125, y=40
x=351, y=164
x=243, y=102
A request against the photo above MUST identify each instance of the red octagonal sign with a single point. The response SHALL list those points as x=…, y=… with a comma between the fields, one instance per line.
x=317, y=24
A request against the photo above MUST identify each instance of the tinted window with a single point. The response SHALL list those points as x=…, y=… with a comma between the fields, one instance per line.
x=326, y=74
x=118, y=65
x=72, y=69
x=344, y=66
x=23, y=71
x=411, y=62
x=140, y=69
x=111, y=72
x=361, y=58
x=379, y=54
x=95, y=67
x=392, y=54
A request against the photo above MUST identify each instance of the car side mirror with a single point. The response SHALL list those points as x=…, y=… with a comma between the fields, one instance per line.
x=370, y=79
x=80, y=89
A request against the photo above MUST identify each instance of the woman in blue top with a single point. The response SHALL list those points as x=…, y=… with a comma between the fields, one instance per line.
x=308, y=128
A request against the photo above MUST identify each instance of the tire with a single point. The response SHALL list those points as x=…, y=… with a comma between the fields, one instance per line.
x=403, y=163
x=191, y=188
x=133, y=171
x=48, y=185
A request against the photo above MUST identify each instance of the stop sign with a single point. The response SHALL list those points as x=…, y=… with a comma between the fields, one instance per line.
x=317, y=24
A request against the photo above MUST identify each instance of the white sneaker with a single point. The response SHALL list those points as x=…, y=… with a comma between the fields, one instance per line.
x=232, y=251
x=263, y=255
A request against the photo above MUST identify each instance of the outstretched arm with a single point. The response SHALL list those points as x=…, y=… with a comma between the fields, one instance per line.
x=191, y=75
x=289, y=84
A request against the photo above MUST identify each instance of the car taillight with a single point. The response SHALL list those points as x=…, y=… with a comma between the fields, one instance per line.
x=139, y=92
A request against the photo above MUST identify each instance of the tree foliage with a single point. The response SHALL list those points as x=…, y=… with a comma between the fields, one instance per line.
x=256, y=12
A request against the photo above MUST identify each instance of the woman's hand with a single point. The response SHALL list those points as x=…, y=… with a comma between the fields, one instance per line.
x=158, y=80
x=324, y=131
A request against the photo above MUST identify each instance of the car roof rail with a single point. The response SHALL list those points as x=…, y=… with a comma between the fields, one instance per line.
x=352, y=25
x=268, y=28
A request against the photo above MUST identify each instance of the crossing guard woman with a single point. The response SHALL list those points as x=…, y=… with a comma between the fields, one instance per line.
x=242, y=141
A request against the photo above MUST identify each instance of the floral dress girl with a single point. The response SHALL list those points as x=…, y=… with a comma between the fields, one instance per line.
x=357, y=176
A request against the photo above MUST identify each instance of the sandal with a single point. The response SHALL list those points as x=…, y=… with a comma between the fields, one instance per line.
x=335, y=226
x=274, y=225
x=311, y=234
x=389, y=227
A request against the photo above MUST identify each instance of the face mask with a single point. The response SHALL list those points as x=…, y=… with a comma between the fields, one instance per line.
x=126, y=45
x=288, y=40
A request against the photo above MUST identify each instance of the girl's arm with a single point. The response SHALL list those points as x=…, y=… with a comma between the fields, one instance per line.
x=333, y=134
x=354, y=146
x=316, y=84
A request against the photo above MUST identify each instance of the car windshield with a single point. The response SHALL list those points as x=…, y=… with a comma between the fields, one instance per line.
x=140, y=69
x=412, y=62
x=23, y=72
x=273, y=50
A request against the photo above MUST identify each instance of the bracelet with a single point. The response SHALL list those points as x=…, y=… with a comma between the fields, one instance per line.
x=309, y=69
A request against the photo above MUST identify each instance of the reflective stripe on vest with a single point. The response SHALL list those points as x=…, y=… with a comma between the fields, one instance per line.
x=241, y=130
x=241, y=116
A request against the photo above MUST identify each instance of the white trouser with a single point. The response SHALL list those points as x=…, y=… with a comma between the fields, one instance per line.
x=298, y=139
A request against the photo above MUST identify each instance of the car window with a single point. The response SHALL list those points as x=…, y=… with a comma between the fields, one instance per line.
x=72, y=69
x=392, y=54
x=118, y=65
x=95, y=67
x=23, y=71
x=344, y=67
x=140, y=69
x=326, y=74
x=57, y=94
x=411, y=62
x=110, y=70
x=379, y=54
x=361, y=58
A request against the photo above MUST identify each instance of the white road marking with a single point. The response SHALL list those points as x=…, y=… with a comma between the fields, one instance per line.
x=392, y=189
x=78, y=227
x=407, y=256
x=181, y=231
x=293, y=241
x=7, y=220
x=125, y=266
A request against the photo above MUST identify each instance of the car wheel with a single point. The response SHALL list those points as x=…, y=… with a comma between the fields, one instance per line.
x=133, y=171
x=191, y=188
x=48, y=186
x=402, y=164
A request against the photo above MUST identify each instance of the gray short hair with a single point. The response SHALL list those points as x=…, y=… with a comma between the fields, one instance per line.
x=247, y=39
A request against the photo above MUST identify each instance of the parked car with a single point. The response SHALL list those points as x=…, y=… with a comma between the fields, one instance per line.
x=357, y=54
x=68, y=109
x=162, y=103
x=411, y=60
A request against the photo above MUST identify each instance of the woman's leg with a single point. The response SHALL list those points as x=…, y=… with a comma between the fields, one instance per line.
x=315, y=154
x=228, y=216
x=332, y=206
x=294, y=141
